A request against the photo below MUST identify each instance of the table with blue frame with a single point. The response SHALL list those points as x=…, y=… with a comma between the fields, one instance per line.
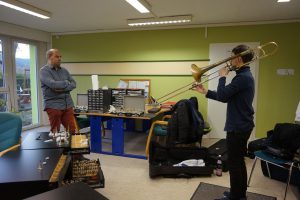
x=117, y=128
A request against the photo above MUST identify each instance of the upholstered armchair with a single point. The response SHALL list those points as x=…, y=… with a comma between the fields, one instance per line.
x=10, y=132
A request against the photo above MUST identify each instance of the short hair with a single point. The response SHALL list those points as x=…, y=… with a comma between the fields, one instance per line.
x=241, y=48
x=50, y=52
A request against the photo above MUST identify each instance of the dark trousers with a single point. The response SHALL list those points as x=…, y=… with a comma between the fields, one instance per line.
x=237, y=149
x=58, y=117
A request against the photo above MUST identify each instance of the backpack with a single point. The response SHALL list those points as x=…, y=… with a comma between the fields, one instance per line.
x=186, y=124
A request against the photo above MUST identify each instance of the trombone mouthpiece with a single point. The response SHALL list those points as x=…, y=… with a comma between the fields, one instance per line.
x=232, y=68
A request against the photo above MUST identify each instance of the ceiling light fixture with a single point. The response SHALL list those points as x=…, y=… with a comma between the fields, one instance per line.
x=282, y=1
x=160, y=20
x=141, y=5
x=26, y=8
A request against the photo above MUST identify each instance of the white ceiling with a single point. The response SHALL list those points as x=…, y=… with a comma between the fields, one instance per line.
x=111, y=15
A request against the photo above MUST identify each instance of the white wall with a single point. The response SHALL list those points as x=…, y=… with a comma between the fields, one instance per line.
x=23, y=32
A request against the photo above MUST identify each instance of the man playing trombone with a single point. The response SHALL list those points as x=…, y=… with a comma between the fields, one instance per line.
x=239, y=124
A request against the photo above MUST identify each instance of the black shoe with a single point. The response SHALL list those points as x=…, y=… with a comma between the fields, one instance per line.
x=226, y=194
x=223, y=198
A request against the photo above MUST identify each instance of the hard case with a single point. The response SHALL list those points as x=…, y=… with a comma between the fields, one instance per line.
x=218, y=148
x=162, y=159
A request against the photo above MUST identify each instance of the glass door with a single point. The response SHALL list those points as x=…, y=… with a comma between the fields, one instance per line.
x=25, y=68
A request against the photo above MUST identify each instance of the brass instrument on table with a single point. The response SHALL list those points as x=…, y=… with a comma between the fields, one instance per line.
x=56, y=174
x=79, y=141
x=259, y=52
x=79, y=144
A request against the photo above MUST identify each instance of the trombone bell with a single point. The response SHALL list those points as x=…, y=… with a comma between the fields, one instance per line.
x=196, y=72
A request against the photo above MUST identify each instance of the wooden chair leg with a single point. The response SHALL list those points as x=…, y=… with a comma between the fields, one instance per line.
x=149, y=139
x=9, y=149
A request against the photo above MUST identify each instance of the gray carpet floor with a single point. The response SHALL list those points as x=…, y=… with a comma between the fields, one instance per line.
x=206, y=191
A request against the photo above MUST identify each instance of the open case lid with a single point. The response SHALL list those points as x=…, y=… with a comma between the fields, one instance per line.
x=134, y=103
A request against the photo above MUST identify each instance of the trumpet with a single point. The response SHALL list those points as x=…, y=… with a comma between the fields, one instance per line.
x=199, y=76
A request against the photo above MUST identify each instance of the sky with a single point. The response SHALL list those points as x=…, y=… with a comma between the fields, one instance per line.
x=22, y=50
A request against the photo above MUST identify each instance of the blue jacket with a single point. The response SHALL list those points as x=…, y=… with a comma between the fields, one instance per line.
x=56, y=86
x=239, y=96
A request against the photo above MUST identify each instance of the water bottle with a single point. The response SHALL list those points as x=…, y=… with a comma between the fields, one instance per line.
x=219, y=166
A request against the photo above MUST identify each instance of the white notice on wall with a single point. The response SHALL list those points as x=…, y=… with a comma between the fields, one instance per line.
x=122, y=84
x=141, y=85
x=95, y=83
x=132, y=84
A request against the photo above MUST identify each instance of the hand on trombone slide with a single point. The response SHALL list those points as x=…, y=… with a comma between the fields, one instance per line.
x=199, y=88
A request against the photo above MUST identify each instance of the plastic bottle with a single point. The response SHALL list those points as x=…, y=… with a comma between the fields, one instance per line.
x=219, y=166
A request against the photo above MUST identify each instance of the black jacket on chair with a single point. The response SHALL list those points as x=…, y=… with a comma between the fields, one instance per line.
x=186, y=124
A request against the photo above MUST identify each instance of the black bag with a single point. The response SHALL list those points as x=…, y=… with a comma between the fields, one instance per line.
x=186, y=124
x=285, y=140
x=279, y=152
x=162, y=159
x=256, y=145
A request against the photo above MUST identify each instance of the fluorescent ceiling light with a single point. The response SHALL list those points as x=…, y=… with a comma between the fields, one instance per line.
x=281, y=1
x=141, y=5
x=160, y=20
x=26, y=8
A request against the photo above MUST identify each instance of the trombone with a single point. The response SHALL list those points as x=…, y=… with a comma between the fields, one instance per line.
x=258, y=52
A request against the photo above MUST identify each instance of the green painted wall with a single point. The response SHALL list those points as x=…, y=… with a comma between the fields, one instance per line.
x=180, y=44
x=278, y=96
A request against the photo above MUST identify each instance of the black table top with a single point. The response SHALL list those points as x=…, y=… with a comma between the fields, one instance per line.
x=22, y=165
x=37, y=141
x=78, y=191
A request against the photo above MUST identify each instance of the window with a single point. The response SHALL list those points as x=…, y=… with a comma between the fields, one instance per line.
x=26, y=82
x=18, y=79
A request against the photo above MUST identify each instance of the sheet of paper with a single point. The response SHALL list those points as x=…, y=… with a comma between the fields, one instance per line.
x=141, y=85
x=122, y=84
x=132, y=84
x=95, y=83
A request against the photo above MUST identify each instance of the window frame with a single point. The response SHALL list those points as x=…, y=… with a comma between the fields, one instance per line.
x=9, y=65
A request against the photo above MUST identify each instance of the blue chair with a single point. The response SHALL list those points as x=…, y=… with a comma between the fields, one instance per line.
x=10, y=132
x=159, y=131
x=271, y=159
